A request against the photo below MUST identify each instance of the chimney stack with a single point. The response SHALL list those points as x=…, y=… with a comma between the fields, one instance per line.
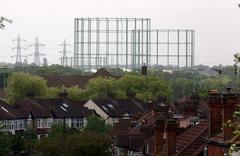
x=160, y=115
x=215, y=112
x=63, y=95
x=159, y=131
x=150, y=106
x=171, y=136
x=228, y=103
x=144, y=70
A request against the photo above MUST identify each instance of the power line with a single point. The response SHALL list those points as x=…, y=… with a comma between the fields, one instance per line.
x=18, y=49
x=37, y=53
x=64, y=52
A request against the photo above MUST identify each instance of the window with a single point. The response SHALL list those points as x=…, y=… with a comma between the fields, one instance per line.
x=104, y=108
x=65, y=105
x=4, y=109
x=58, y=120
x=110, y=106
x=15, y=123
x=49, y=122
x=77, y=123
x=21, y=124
x=40, y=123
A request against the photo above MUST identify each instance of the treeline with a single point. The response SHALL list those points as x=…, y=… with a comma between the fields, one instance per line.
x=22, y=85
x=172, y=85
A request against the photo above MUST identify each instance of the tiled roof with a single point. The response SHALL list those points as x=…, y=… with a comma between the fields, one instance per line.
x=43, y=108
x=67, y=81
x=75, y=80
x=2, y=93
x=118, y=107
x=102, y=73
x=7, y=111
x=189, y=141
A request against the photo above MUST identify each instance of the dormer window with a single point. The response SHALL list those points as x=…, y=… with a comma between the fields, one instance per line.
x=63, y=109
x=110, y=106
x=65, y=105
x=4, y=109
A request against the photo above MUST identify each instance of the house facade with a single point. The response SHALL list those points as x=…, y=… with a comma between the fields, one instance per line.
x=40, y=114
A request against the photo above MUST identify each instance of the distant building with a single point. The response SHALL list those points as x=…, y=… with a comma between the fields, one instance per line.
x=75, y=80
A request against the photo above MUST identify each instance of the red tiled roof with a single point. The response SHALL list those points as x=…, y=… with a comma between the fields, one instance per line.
x=189, y=142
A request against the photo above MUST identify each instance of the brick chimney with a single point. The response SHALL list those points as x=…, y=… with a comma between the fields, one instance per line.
x=63, y=95
x=144, y=70
x=160, y=115
x=215, y=112
x=159, y=131
x=171, y=136
x=228, y=103
x=150, y=106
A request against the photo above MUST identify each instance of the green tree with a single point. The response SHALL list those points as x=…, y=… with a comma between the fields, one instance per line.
x=22, y=84
x=52, y=93
x=81, y=143
x=216, y=82
x=5, y=144
x=130, y=84
x=75, y=93
x=101, y=88
x=96, y=125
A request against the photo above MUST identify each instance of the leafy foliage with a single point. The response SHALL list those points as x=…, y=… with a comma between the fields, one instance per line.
x=100, y=88
x=80, y=143
x=96, y=125
x=21, y=85
x=93, y=140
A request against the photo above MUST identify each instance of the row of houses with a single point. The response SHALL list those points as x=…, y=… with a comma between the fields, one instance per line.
x=41, y=114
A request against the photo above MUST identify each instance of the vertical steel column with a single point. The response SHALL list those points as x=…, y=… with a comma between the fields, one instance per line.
x=89, y=45
x=146, y=45
x=139, y=47
x=157, y=50
x=126, y=43
x=82, y=44
x=97, y=42
x=149, y=51
x=133, y=43
x=186, y=48
x=142, y=41
x=76, y=43
x=117, y=41
x=178, y=48
x=107, y=42
x=134, y=53
x=193, y=49
x=168, y=47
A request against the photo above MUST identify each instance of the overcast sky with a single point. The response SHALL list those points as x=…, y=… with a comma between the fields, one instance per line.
x=216, y=22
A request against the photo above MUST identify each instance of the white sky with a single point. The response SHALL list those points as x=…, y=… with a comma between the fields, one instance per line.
x=216, y=22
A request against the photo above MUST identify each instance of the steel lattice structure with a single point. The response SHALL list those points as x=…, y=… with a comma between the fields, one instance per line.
x=129, y=43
